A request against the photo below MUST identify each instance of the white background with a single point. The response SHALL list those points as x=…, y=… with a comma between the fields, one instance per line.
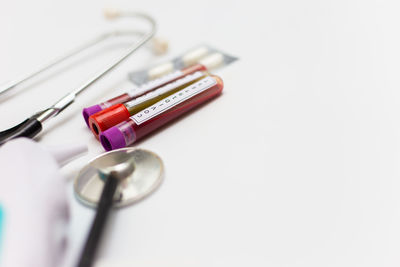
x=296, y=164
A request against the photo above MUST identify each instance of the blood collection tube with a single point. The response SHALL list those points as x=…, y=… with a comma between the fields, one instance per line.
x=113, y=115
x=162, y=112
x=141, y=90
x=205, y=63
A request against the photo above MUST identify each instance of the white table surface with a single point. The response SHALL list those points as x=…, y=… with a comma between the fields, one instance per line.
x=296, y=164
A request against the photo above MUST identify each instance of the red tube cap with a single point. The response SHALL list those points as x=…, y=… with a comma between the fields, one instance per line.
x=108, y=118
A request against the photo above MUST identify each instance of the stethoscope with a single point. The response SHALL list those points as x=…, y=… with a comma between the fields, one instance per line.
x=115, y=179
x=34, y=124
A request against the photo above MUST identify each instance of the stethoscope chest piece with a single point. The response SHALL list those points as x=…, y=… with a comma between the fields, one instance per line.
x=139, y=172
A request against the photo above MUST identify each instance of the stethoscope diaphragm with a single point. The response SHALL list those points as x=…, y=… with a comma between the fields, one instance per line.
x=146, y=175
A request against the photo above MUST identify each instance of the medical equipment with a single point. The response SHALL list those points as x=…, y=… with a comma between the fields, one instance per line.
x=141, y=90
x=205, y=55
x=188, y=59
x=34, y=203
x=118, y=178
x=208, y=63
x=195, y=55
x=155, y=116
x=202, y=58
x=113, y=115
x=33, y=125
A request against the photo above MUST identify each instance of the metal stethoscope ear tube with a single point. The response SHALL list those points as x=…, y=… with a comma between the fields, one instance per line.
x=33, y=125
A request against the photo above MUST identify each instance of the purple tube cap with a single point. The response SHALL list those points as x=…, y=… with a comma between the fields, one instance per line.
x=112, y=139
x=87, y=112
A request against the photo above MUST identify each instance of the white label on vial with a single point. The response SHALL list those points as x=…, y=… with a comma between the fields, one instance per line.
x=154, y=83
x=173, y=100
x=164, y=89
